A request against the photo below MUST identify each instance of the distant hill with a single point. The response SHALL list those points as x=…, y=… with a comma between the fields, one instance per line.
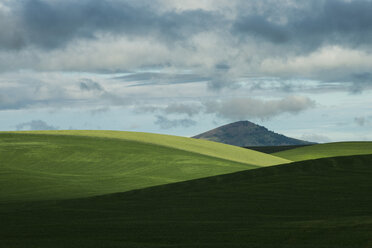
x=246, y=133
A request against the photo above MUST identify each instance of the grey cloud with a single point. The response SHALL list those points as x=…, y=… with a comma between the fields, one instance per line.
x=189, y=109
x=179, y=108
x=259, y=26
x=353, y=82
x=35, y=125
x=111, y=99
x=52, y=24
x=216, y=80
x=7, y=102
x=166, y=123
x=222, y=66
x=248, y=108
x=258, y=38
x=99, y=111
x=360, y=82
x=30, y=93
x=321, y=22
x=363, y=120
x=217, y=83
x=157, y=78
x=232, y=109
x=11, y=36
x=116, y=100
x=89, y=85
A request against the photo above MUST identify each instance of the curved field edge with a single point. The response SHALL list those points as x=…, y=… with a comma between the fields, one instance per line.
x=310, y=204
x=42, y=167
x=204, y=147
x=327, y=150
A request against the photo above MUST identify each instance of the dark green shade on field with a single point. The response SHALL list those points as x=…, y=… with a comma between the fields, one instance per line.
x=323, y=203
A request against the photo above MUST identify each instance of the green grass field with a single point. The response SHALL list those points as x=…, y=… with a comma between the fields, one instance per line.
x=203, y=147
x=123, y=189
x=326, y=150
x=323, y=203
x=39, y=166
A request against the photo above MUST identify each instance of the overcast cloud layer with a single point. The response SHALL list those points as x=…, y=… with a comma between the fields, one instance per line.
x=179, y=60
x=317, y=39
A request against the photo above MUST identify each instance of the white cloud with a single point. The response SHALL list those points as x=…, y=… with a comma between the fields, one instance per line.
x=319, y=63
x=35, y=125
x=251, y=108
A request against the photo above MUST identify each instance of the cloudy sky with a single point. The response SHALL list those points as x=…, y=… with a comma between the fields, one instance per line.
x=301, y=68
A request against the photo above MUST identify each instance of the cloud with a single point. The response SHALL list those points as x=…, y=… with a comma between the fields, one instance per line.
x=312, y=25
x=219, y=45
x=165, y=123
x=53, y=24
x=214, y=42
x=30, y=92
x=35, y=125
x=363, y=120
x=260, y=27
x=90, y=85
x=251, y=108
x=185, y=108
x=180, y=108
x=158, y=78
x=360, y=81
x=55, y=90
x=233, y=108
x=99, y=111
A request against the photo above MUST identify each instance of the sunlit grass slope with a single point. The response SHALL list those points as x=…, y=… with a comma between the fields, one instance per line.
x=326, y=150
x=204, y=147
x=323, y=203
x=41, y=167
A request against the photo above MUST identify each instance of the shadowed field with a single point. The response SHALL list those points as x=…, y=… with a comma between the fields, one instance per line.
x=318, y=203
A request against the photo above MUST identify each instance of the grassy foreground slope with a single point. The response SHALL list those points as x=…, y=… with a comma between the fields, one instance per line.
x=326, y=150
x=43, y=166
x=323, y=203
x=204, y=147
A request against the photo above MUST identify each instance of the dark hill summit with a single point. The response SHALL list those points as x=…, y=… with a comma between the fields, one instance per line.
x=246, y=133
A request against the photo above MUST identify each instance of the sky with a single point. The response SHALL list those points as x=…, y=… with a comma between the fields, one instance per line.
x=182, y=67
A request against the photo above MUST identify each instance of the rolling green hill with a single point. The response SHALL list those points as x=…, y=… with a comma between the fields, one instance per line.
x=323, y=203
x=55, y=165
x=204, y=147
x=326, y=150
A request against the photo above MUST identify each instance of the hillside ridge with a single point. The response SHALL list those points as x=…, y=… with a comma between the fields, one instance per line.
x=204, y=147
x=246, y=133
